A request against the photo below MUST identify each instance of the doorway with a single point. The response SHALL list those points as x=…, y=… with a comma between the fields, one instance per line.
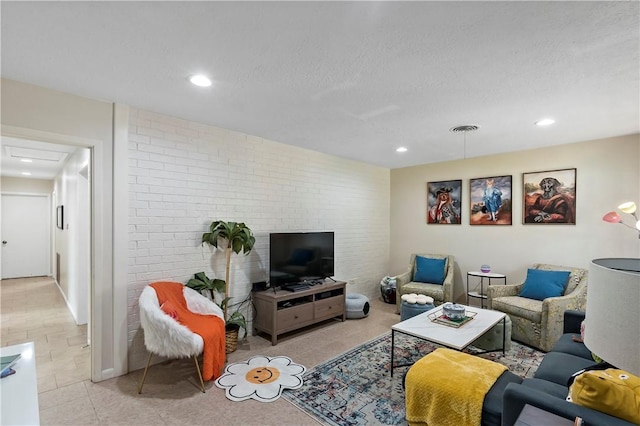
x=50, y=234
x=108, y=166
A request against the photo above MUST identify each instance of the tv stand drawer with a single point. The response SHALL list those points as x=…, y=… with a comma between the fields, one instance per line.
x=288, y=319
x=329, y=308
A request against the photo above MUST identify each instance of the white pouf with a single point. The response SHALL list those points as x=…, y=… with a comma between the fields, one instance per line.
x=357, y=306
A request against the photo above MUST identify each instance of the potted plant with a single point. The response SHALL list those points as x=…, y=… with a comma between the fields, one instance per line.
x=236, y=237
x=232, y=236
x=233, y=322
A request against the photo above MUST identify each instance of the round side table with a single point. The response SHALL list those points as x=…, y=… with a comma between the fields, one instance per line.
x=483, y=275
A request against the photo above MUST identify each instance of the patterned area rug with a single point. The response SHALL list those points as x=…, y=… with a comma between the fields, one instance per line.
x=355, y=388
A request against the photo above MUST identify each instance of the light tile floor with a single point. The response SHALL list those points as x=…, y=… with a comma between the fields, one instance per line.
x=171, y=394
x=33, y=310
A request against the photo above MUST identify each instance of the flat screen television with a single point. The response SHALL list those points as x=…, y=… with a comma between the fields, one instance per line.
x=300, y=256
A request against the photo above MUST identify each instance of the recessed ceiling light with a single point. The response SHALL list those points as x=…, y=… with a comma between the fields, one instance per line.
x=26, y=160
x=200, y=80
x=26, y=173
x=545, y=122
x=401, y=149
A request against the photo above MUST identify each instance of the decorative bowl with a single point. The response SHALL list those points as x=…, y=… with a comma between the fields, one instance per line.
x=453, y=311
x=485, y=269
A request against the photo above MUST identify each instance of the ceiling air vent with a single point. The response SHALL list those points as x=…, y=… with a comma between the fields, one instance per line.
x=464, y=128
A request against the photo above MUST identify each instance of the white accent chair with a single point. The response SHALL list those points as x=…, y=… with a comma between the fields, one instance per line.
x=165, y=336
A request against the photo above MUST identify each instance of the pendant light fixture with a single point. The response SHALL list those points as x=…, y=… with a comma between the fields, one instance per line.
x=464, y=129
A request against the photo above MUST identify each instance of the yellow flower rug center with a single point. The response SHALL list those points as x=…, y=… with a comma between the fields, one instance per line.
x=261, y=378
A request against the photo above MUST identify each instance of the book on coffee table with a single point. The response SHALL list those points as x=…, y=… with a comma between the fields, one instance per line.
x=440, y=318
x=6, y=362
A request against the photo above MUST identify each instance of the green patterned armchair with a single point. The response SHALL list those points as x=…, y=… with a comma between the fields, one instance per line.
x=440, y=292
x=539, y=323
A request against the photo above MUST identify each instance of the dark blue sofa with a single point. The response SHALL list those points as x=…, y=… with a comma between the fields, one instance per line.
x=548, y=389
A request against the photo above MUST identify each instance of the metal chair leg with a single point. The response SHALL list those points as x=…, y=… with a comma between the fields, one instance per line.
x=195, y=359
x=144, y=375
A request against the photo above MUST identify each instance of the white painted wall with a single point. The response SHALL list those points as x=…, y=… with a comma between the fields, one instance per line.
x=607, y=175
x=74, y=274
x=26, y=186
x=184, y=175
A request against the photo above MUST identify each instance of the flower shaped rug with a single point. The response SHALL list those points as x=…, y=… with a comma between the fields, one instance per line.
x=262, y=378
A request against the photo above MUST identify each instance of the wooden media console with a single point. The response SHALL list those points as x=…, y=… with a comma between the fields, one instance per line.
x=283, y=311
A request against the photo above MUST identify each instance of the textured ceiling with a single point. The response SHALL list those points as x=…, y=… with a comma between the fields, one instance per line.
x=353, y=79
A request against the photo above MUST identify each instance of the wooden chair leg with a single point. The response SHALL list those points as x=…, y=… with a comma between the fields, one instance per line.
x=144, y=375
x=195, y=359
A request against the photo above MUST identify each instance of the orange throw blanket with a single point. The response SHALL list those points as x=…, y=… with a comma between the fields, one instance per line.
x=209, y=327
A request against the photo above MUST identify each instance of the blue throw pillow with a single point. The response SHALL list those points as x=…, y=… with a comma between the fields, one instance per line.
x=429, y=270
x=541, y=284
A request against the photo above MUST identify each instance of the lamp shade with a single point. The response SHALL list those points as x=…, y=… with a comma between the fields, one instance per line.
x=612, y=328
x=628, y=207
x=612, y=217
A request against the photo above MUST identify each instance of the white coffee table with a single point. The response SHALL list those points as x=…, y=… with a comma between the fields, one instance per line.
x=19, y=391
x=422, y=327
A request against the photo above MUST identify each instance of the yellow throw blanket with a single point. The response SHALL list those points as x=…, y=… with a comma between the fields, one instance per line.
x=447, y=388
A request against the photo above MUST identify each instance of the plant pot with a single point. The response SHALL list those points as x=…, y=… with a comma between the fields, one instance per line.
x=231, y=338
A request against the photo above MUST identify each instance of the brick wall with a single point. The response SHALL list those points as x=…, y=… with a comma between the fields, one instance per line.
x=183, y=175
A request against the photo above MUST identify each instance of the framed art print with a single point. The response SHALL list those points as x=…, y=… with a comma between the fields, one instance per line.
x=443, y=202
x=549, y=197
x=490, y=200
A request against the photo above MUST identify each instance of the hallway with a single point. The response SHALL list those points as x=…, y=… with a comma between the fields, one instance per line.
x=33, y=310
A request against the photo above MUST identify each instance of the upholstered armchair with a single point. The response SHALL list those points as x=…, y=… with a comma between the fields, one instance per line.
x=408, y=282
x=539, y=323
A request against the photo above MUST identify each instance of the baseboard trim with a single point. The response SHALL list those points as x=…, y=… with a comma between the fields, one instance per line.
x=107, y=374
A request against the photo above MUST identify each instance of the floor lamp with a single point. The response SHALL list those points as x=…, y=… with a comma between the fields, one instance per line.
x=612, y=328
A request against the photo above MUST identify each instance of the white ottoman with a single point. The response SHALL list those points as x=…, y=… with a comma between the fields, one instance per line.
x=357, y=306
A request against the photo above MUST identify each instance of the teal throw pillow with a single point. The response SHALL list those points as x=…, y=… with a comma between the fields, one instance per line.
x=429, y=270
x=541, y=284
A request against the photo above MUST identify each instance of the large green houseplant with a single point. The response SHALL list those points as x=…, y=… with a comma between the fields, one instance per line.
x=232, y=236
x=216, y=287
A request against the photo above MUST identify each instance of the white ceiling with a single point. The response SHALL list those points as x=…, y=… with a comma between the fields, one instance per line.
x=353, y=79
x=46, y=159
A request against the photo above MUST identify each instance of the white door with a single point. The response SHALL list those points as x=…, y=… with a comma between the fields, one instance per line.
x=26, y=235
